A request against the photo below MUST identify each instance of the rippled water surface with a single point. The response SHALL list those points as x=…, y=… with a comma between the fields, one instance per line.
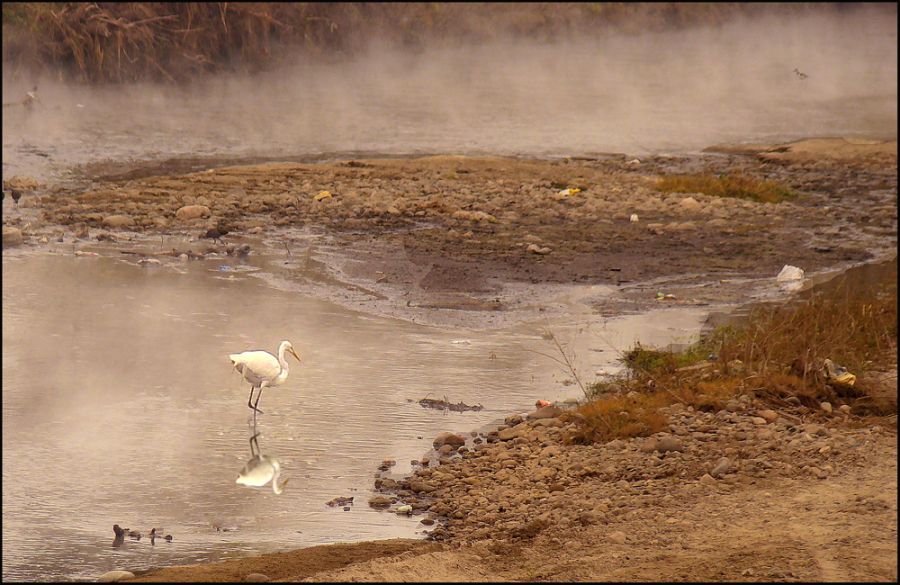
x=120, y=406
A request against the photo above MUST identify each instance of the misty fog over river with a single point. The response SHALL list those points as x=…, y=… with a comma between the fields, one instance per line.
x=671, y=92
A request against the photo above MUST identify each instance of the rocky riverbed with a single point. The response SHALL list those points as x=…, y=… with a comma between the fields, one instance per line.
x=744, y=494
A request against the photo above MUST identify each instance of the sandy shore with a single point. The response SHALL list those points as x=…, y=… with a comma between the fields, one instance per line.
x=801, y=496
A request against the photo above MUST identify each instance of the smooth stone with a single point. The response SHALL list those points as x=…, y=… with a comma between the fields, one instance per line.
x=192, y=212
x=256, y=578
x=707, y=479
x=770, y=415
x=663, y=445
x=12, y=236
x=451, y=439
x=113, y=576
x=118, y=221
x=722, y=467
x=545, y=412
x=617, y=537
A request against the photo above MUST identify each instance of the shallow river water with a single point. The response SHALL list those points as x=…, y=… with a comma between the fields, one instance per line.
x=120, y=406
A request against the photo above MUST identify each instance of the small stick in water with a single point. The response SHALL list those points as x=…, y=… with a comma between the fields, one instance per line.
x=288, y=250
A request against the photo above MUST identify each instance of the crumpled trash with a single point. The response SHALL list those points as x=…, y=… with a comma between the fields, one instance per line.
x=838, y=375
x=789, y=273
x=568, y=192
x=323, y=195
x=634, y=218
x=541, y=403
x=663, y=297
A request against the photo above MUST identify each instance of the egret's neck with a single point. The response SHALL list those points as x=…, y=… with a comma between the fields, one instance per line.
x=281, y=349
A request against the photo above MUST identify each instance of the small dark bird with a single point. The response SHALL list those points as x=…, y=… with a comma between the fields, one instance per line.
x=16, y=195
x=120, y=536
x=218, y=232
x=800, y=74
x=215, y=233
x=154, y=533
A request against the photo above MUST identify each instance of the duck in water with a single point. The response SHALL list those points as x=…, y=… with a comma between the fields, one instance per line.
x=119, y=540
x=157, y=533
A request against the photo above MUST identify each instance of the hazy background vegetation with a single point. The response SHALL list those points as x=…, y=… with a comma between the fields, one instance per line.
x=131, y=41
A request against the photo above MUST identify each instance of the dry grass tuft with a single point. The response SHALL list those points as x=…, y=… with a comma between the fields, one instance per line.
x=621, y=417
x=737, y=186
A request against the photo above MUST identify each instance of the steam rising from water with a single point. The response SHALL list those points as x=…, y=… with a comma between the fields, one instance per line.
x=672, y=91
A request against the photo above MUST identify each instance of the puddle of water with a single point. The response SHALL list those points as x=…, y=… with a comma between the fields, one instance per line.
x=120, y=406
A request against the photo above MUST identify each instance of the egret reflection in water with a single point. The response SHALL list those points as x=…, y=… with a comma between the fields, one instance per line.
x=260, y=469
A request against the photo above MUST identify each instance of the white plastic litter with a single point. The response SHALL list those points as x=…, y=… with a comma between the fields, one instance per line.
x=633, y=218
x=790, y=273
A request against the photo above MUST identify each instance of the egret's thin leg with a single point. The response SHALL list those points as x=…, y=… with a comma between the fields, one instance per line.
x=258, y=396
x=254, y=445
x=250, y=398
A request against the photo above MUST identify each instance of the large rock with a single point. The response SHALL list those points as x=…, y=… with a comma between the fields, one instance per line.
x=189, y=212
x=12, y=236
x=509, y=434
x=689, y=204
x=663, y=444
x=118, y=221
x=722, y=467
x=448, y=439
x=770, y=415
x=379, y=501
x=545, y=412
x=418, y=487
x=113, y=576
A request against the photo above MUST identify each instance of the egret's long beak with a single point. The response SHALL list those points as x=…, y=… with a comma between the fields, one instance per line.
x=294, y=353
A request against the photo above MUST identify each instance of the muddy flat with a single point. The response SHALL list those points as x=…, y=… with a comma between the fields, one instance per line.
x=453, y=231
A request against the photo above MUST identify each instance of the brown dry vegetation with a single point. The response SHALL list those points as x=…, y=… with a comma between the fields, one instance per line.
x=737, y=185
x=174, y=41
x=776, y=353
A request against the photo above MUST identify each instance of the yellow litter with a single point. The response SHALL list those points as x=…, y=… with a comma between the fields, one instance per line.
x=323, y=195
x=568, y=192
x=838, y=375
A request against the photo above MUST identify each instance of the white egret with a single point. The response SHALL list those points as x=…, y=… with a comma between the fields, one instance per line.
x=261, y=369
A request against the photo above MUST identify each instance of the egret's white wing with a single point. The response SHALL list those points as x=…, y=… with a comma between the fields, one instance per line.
x=256, y=366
